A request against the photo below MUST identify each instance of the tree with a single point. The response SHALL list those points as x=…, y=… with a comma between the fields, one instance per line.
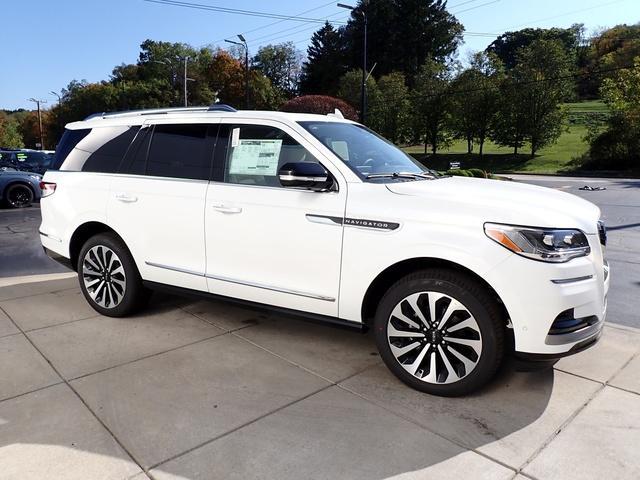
x=531, y=100
x=507, y=45
x=325, y=62
x=475, y=99
x=430, y=100
x=319, y=104
x=619, y=145
x=389, y=109
x=351, y=85
x=403, y=34
x=10, y=136
x=282, y=64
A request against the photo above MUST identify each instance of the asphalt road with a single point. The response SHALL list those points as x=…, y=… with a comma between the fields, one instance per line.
x=21, y=252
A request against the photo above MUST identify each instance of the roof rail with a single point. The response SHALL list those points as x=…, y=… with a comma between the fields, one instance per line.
x=152, y=111
x=221, y=107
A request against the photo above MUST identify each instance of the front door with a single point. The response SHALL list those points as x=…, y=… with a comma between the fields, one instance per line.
x=266, y=243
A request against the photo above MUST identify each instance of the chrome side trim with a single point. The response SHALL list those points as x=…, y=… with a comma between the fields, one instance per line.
x=572, y=280
x=175, y=269
x=242, y=282
x=272, y=288
x=50, y=236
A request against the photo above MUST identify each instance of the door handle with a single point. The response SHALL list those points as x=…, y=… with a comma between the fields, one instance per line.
x=123, y=197
x=226, y=209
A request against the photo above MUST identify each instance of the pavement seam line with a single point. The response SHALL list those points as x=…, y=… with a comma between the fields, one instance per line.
x=246, y=424
x=86, y=405
x=151, y=355
x=31, y=294
x=563, y=426
x=31, y=391
x=227, y=330
x=438, y=434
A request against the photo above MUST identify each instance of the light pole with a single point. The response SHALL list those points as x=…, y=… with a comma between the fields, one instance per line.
x=185, y=79
x=38, y=101
x=363, y=87
x=57, y=95
x=246, y=66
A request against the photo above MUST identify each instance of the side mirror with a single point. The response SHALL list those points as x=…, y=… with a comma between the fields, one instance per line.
x=307, y=175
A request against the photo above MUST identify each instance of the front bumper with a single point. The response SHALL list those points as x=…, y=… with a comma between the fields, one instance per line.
x=555, y=309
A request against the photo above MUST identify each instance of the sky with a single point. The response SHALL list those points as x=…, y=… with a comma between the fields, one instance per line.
x=45, y=44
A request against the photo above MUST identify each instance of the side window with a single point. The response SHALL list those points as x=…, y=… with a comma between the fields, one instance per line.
x=135, y=161
x=180, y=151
x=70, y=138
x=107, y=157
x=256, y=153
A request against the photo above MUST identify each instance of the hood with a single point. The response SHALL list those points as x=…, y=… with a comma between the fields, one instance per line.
x=19, y=173
x=503, y=202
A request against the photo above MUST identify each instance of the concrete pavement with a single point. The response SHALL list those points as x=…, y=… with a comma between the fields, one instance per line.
x=204, y=390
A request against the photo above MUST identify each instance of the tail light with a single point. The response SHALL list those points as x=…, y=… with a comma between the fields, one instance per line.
x=47, y=188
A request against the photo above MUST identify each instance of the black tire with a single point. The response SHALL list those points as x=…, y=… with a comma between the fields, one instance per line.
x=133, y=296
x=480, y=307
x=18, y=195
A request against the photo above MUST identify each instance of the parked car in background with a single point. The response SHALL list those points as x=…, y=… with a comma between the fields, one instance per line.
x=18, y=189
x=36, y=161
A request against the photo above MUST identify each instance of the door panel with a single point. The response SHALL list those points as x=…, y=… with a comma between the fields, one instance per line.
x=262, y=244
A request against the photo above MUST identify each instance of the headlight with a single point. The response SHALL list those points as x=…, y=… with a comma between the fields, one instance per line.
x=36, y=177
x=547, y=245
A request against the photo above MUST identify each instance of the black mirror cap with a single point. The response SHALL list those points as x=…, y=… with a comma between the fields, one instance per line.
x=308, y=175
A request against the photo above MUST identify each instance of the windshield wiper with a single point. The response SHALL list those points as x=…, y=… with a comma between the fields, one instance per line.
x=401, y=175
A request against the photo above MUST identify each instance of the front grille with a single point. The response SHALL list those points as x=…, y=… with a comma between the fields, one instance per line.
x=602, y=233
x=567, y=323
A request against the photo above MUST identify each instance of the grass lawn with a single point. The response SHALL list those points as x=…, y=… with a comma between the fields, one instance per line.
x=496, y=159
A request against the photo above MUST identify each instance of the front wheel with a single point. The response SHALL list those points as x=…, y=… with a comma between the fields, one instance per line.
x=109, y=278
x=440, y=332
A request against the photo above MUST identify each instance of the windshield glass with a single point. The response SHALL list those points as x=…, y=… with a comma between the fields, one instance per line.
x=365, y=152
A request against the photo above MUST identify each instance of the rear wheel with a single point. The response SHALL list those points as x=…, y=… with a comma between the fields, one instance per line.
x=18, y=196
x=440, y=332
x=109, y=278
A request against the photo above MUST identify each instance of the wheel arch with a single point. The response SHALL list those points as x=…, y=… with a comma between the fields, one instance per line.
x=83, y=233
x=395, y=272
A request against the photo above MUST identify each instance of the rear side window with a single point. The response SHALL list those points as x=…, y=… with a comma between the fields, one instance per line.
x=69, y=140
x=101, y=150
x=107, y=158
x=180, y=151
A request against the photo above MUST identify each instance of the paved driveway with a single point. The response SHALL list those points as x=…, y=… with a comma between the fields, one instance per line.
x=203, y=390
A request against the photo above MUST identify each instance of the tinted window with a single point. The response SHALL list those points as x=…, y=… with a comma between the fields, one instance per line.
x=256, y=152
x=135, y=161
x=179, y=151
x=108, y=156
x=69, y=140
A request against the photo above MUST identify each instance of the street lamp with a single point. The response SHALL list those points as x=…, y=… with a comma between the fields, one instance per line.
x=246, y=66
x=57, y=95
x=363, y=87
x=37, y=101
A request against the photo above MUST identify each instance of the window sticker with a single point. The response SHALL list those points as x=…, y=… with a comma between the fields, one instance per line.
x=235, y=137
x=255, y=157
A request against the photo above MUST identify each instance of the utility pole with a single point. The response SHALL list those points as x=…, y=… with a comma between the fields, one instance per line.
x=38, y=101
x=246, y=66
x=186, y=59
x=363, y=86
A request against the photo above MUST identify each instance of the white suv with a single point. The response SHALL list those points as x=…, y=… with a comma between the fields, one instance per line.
x=320, y=217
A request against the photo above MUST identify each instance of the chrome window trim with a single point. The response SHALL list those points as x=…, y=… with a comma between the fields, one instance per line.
x=572, y=280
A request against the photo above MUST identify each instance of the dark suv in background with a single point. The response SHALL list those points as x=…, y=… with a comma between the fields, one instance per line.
x=35, y=161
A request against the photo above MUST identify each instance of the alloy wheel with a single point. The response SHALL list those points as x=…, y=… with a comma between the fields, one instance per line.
x=434, y=337
x=19, y=196
x=103, y=276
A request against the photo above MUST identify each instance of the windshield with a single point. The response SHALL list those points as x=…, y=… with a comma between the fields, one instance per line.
x=366, y=153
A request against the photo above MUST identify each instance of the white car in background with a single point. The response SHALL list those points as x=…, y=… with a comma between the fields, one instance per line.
x=320, y=217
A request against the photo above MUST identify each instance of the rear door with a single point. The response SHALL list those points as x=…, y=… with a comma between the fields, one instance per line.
x=157, y=201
